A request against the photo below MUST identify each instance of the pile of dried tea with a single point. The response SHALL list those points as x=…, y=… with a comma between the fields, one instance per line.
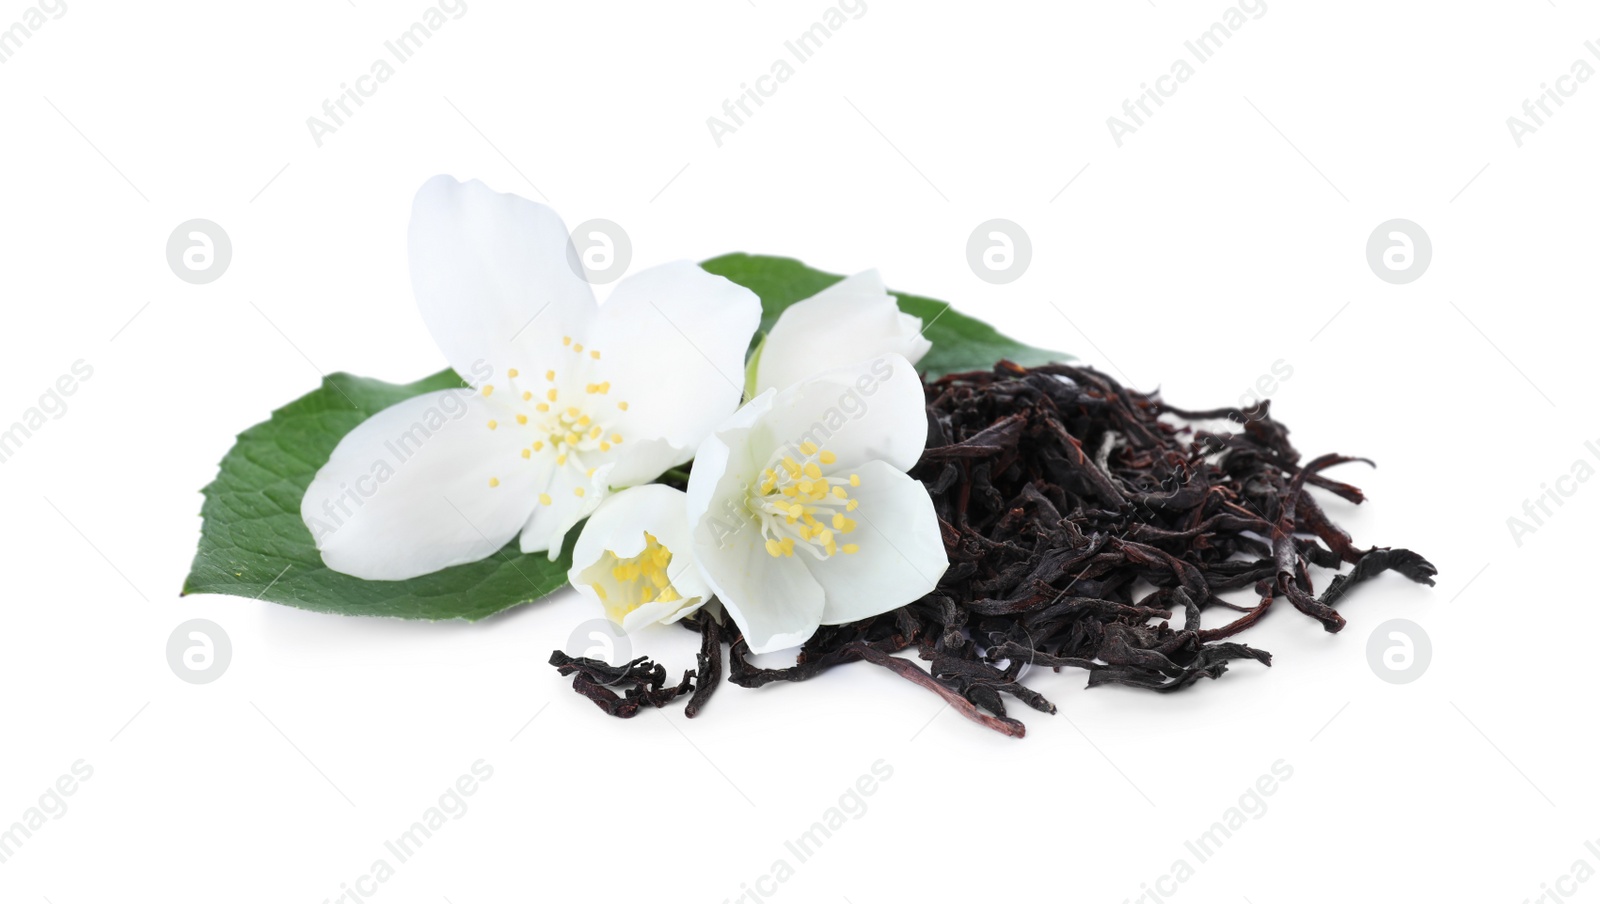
x=1082, y=519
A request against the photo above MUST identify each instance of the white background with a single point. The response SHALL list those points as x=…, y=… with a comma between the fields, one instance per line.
x=1226, y=234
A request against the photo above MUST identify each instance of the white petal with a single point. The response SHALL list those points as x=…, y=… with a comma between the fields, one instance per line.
x=673, y=340
x=492, y=278
x=852, y=320
x=619, y=524
x=641, y=461
x=619, y=527
x=901, y=555
x=774, y=601
x=725, y=465
x=548, y=525
x=408, y=491
x=660, y=613
x=870, y=411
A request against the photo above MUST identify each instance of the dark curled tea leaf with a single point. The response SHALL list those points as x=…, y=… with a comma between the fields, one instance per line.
x=1088, y=526
x=709, y=674
x=643, y=683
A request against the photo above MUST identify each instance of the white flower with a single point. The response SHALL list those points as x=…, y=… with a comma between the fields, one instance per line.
x=855, y=319
x=571, y=398
x=801, y=510
x=633, y=557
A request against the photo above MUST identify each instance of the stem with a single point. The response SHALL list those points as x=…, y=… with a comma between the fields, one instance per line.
x=909, y=670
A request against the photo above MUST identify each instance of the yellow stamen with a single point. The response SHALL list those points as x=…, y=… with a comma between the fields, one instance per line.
x=640, y=579
x=797, y=503
x=544, y=499
x=494, y=481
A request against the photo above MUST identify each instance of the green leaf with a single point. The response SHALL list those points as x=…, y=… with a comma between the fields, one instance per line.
x=959, y=342
x=253, y=543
